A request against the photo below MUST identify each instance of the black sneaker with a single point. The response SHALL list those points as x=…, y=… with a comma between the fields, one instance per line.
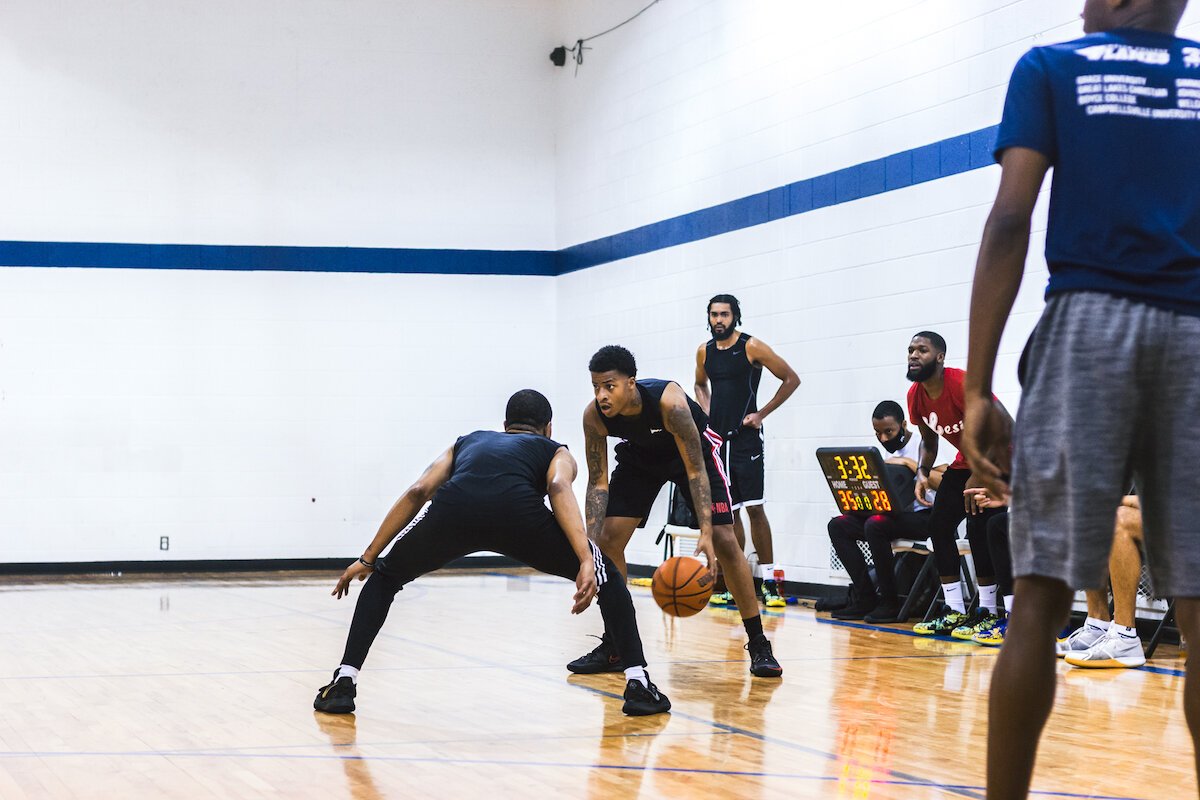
x=336, y=697
x=603, y=659
x=886, y=611
x=641, y=701
x=858, y=609
x=762, y=660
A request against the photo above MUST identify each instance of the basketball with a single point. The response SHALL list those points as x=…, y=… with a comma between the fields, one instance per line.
x=682, y=586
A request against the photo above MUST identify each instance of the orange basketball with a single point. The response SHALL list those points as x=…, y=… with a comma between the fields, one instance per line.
x=682, y=586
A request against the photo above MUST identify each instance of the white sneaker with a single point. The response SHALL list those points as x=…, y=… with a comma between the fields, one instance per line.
x=1079, y=640
x=1113, y=650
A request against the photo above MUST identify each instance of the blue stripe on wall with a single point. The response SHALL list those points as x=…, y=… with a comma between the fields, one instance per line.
x=281, y=259
x=942, y=159
x=952, y=156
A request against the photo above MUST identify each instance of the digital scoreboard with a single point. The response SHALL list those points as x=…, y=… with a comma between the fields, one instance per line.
x=859, y=480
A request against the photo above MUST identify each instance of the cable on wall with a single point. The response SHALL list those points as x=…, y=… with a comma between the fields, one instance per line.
x=559, y=54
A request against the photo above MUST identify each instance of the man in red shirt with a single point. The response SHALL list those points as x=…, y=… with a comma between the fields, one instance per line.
x=935, y=403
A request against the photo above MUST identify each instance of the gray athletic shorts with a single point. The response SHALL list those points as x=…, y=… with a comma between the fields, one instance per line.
x=1111, y=393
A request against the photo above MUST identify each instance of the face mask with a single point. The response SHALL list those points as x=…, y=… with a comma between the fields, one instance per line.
x=896, y=442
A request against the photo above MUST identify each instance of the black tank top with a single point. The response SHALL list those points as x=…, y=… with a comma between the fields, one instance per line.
x=494, y=470
x=646, y=433
x=734, y=384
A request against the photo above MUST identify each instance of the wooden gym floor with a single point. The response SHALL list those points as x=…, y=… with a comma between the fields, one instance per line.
x=202, y=687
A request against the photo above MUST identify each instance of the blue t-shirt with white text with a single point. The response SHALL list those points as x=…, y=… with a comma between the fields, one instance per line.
x=1118, y=116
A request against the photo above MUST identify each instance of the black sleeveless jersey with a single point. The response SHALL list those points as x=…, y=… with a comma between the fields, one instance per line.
x=498, y=471
x=734, y=384
x=645, y=432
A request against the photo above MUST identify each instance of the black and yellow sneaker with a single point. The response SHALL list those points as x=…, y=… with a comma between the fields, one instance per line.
x=770, y=595
x=641, y=701
x=604, y=658
x=337, y=696
x=943, y=625
x=762, y=658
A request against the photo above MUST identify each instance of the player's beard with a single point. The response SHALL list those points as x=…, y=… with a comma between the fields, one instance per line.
x=722, y=335
x=922, y=372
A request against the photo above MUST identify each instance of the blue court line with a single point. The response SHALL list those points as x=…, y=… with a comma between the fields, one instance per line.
x=508, y=763
x=942, y=159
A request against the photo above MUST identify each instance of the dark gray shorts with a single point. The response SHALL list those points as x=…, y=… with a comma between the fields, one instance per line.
x=1111, y=394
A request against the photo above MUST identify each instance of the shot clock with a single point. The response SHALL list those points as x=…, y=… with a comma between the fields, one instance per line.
x=861, y=483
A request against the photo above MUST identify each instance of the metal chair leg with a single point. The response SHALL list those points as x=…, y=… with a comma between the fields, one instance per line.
x=1169, y=616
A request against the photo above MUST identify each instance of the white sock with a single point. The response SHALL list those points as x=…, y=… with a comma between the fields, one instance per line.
x=1008, y=603
x=987, y=597
x=767, y=572
x=1098, y=624
x=953, y=595
x=347, y=671
x=638, y=674
x=1128, y=633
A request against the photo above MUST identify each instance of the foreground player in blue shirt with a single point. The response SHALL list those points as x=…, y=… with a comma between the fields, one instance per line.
x=1112, y=378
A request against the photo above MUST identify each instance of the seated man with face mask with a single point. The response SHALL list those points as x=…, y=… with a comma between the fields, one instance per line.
x=870, y=604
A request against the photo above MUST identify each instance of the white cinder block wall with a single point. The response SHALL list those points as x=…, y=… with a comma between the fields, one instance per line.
x=260, y=415
x=276, y=415
x=699, y=103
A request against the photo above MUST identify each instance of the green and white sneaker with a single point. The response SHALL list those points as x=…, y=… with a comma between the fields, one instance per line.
x=980, y=622
x=721, y=599
x=943, y=625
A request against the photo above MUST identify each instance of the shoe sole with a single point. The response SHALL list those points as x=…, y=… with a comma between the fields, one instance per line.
x=767, y=672
x=989, y=642
x=594, y=671
x=1108, y=663
x=644, y=711
x=335, y=709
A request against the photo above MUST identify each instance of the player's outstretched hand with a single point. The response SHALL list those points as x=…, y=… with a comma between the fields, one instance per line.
x=705, y=547
x=585, y=587
x=987, y=439
x=356, y=570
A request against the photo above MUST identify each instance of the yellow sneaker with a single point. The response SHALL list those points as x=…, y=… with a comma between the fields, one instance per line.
x=722, y=599
x=993, y=636
x=771, y=597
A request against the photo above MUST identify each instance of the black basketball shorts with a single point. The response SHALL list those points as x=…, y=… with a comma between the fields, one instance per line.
x=743, y=456
x=639, y=477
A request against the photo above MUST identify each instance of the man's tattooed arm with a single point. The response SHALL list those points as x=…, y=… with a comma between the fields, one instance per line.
x=596, y=449
x=677, y=418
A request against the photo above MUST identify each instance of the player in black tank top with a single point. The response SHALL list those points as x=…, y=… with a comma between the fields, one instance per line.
x=665, y=437
x=732, y=363
x=488, y=492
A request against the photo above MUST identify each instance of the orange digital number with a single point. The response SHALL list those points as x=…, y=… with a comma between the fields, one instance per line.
x=883, y=501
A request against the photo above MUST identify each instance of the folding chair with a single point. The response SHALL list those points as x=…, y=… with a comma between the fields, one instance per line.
x=1168, y=618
